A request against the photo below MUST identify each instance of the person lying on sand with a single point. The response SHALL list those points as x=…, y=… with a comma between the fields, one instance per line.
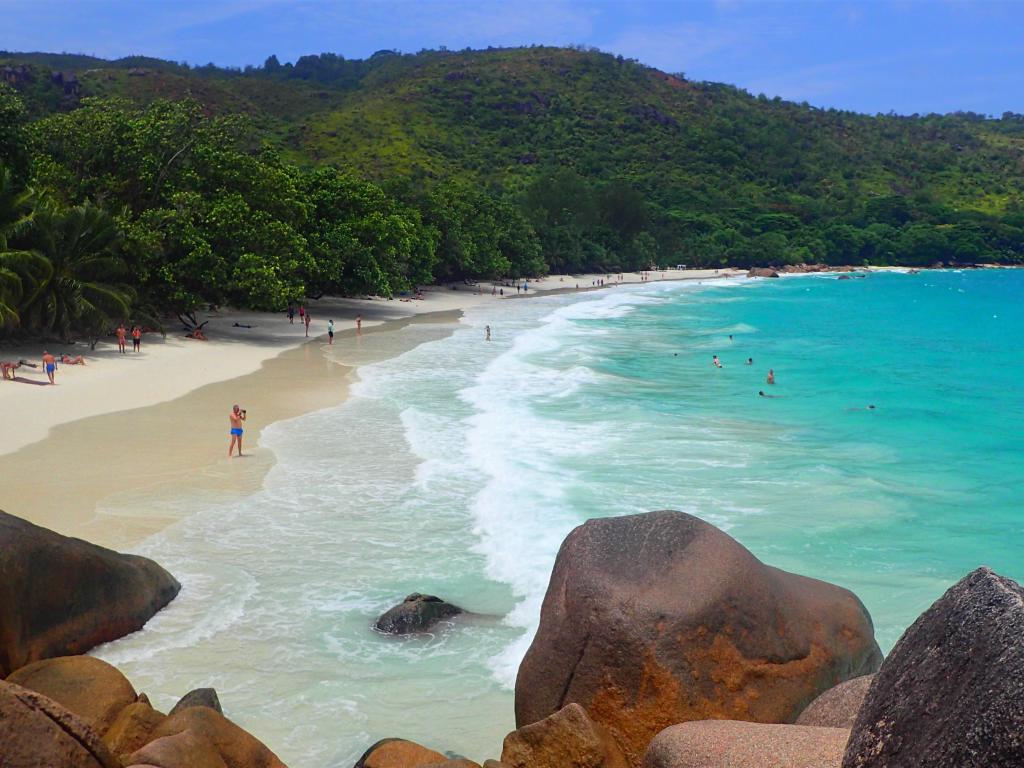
x=69, y=360
x=196, y=334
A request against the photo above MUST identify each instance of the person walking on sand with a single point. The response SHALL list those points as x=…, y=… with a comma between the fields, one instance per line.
x=291, y=314
x=771, y=376
x=302, y=314
x=121, y=334
x=359, y=325
x=136, y=339
x=50, y=364
x=330, y=332
x=715, y=361
x=236, y=418
x=306, y=320
x=488, y=329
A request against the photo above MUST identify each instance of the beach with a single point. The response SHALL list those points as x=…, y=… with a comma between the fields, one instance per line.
x=128, y=421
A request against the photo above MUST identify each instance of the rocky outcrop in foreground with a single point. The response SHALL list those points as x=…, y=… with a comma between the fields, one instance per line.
x=656, y=619
x=417, y=613
x=80, y=712
x=837, y=707
x=61, y=596
x=567, y=738
x=951, y=693
x=731, y=744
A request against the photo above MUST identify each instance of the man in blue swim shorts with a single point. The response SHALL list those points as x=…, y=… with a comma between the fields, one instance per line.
x=50, y=364
x=236, y=418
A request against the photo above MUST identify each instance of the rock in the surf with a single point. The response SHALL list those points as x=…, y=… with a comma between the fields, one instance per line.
x=568, y=737
x=762, y=272
x=837, y=707
x=88, y=687
x=655, y=619
x=951, y=693
x=200, y=697
x=398, y=753
x=416, y=613
x=236, y=747
x=36, y=731
x=738, y=744
x=61, y=596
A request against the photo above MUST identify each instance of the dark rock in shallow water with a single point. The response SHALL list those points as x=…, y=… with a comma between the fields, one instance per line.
x=762, y=272
x=734, y=744
x=415, y=614
x=61, y=596
x=837, y=707
x=36, y=731
x=651, y=620
x=951, y=693
x=200, y=697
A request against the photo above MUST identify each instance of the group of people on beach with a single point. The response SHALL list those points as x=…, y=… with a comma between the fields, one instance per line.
x=122, y=333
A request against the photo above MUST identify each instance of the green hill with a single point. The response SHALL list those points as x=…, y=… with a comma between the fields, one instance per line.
x=513, y=160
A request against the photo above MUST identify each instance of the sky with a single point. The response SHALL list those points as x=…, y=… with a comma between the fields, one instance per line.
x=883, y=55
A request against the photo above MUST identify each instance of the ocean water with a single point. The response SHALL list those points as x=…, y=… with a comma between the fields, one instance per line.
x=457, y=468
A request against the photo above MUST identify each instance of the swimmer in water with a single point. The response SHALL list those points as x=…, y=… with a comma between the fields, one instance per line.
x=773, y=397
x=715, y=361
x=771, y=376
x=750, y=361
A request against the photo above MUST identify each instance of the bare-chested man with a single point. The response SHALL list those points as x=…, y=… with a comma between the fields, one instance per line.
x=236, y=418
x=122, y=333
x=50, y=364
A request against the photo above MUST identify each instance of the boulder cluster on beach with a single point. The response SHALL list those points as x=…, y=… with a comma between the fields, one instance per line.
x=663, y=643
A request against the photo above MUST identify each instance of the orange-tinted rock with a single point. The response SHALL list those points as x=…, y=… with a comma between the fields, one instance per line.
x=181, y=750
x=132, y=728
x=837, y=707
x=460, y=763
x=398, y=753
x=88, y=687
x=237, y=747
x=36, y=732
x=656, y=619
x=61, y=596
x=567, y=738
x=721, y=743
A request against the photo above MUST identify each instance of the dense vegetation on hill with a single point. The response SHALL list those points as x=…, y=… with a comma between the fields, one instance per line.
x=259, y=186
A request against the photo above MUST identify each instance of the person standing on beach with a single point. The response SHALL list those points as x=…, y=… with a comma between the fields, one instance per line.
x=291, y=314
x=121, y=334
x=236, y=417
x=359, y=325
x=50, y=364
x=302, y=314
x=136, y=339
x=488, y=329
x=330, y=332
x=307, y=318
x=771, y=376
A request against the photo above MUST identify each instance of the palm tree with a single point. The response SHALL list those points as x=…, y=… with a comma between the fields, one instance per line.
x=20, y=271
x=83, y=291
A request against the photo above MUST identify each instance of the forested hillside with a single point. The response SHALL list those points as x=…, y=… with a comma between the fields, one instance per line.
x=330, y=175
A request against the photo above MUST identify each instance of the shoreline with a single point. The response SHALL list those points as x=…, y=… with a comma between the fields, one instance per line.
x=105, y=436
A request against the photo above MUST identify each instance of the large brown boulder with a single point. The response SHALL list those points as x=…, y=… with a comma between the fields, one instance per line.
x=398, y=753
x=567, y=738
x=132, y=728
x=236, y=747
x=951, y=693
x=61, y=596
x=837, y=707
x=659, y=618
x=36, y=732
x=762, y=272
x=199, y=697
x=180, y=750
x=735, y=744
x=88, y=687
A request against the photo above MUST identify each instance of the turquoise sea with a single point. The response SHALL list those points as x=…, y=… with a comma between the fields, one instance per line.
x=458, y=467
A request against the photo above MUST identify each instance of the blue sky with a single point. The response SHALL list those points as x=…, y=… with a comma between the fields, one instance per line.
x=901, y=55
